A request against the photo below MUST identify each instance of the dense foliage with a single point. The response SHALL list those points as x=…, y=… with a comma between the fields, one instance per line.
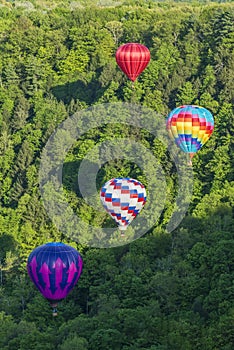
x=163, y=291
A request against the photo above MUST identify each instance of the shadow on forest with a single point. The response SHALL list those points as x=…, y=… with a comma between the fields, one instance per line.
x=90, y=173
x=7, y=243
x=78, y=90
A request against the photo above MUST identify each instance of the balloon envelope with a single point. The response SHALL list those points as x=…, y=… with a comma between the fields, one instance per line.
x=190, y=126
x=54, y=268
x=132, y=58
x=123, y=199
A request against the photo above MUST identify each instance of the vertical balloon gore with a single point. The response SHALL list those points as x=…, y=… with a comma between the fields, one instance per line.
x=132, y=58
x=123, y=199
x=54, y=268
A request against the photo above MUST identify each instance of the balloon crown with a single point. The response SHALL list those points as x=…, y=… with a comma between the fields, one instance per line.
x=55, y=244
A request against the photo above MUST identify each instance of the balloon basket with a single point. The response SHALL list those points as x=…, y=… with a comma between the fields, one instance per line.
x=55, y=313
x=122, y=231
x=191, y=155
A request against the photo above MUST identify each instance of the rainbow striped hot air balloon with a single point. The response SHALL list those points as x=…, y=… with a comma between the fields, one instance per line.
x=190, y=126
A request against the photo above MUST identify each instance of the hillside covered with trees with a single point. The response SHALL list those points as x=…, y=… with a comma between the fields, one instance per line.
x=164, y=291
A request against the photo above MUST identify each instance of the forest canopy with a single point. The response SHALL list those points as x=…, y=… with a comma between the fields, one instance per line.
x=164, y=291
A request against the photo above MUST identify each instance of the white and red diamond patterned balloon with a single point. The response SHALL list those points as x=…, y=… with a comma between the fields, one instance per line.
x=123, y=199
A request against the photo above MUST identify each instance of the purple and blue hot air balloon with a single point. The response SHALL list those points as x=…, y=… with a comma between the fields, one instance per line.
x=54, y=268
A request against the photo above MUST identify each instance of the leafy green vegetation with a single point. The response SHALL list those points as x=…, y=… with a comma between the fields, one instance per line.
x=163, y=291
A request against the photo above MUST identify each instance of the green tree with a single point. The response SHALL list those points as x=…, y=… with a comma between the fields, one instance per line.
x=187, y=94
